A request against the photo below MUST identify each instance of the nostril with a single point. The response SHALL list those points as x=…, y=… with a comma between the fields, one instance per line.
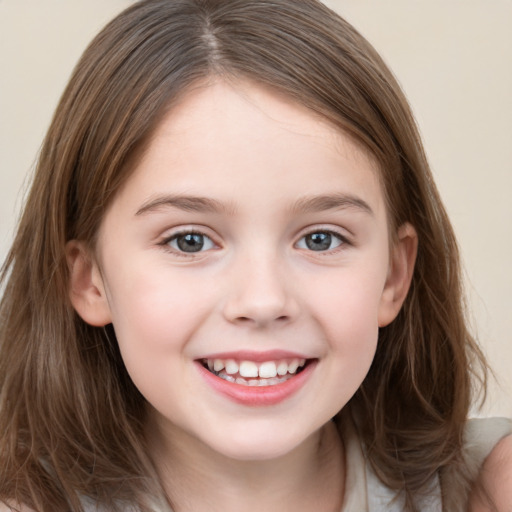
x=259, y=309
x=249, y=320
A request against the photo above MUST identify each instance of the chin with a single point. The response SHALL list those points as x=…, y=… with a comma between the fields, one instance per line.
x=256, y=453
x=254, y=445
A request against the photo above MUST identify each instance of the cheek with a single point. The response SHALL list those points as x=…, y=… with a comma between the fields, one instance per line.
x=350, y=329
x=155, y=314
x=347, y=304
x=352, y=332
x=154, y=323
x=346, y=308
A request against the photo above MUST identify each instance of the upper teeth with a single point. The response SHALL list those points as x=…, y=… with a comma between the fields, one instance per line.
x=266, y=370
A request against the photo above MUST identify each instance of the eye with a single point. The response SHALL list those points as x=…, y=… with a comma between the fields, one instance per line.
x=320, y=241
x=190, y=242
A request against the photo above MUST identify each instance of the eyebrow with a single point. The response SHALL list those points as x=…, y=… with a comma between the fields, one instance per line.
x=331, y=202
x=209, y=205
x=186, y=203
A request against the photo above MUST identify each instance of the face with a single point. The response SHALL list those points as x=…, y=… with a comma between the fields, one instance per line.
x=246, y=268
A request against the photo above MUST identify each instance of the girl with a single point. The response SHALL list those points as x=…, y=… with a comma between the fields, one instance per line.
x=234, y=285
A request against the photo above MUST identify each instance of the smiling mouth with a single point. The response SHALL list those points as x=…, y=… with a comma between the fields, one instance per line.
x=250, y=373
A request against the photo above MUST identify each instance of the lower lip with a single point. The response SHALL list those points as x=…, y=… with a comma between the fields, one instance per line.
x=258, y=395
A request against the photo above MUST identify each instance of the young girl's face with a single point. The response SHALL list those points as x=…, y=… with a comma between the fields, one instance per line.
x=252, y=238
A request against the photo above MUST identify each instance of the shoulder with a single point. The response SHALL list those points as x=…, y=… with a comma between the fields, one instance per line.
x=464, y=479
x=492, y=491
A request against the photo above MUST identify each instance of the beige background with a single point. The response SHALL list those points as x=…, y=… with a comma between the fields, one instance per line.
x=454, y=60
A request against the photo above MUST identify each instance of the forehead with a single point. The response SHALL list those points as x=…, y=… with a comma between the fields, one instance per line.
x=223, y=135
x=248, y=108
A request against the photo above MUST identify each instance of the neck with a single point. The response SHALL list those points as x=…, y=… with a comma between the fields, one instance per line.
x=197, y=478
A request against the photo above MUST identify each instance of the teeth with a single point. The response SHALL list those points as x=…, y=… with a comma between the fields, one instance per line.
x=292, y=367
x=268, y=370
x=248, y=369
x=282, y=368
x=231, y=367
x=254, y=382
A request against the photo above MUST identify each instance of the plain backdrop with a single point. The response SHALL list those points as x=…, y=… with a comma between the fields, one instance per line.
x=454, y=61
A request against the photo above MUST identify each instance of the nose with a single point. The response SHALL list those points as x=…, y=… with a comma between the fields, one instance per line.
x=260, y=293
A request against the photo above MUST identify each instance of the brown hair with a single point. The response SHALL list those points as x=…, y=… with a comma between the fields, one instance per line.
x=70, y=417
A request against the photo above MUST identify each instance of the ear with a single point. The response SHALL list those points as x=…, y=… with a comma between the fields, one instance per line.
x=401, y=267
x=86, y=288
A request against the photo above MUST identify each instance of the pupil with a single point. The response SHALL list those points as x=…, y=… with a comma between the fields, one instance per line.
x=318, y=241
x=191, y=242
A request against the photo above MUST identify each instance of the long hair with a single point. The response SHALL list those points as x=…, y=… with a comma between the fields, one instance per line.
x=71, y=420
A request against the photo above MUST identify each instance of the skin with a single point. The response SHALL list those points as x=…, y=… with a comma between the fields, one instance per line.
x=255, y=285
x=496, y=479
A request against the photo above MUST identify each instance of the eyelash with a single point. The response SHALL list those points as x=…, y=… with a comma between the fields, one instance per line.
x=165, y=243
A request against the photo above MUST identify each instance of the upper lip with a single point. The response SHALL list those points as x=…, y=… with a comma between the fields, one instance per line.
x=256, y=356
